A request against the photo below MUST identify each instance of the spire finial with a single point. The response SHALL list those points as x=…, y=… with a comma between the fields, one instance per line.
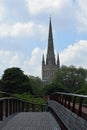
x=50, y=17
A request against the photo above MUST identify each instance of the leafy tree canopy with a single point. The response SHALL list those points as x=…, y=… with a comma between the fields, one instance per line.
x=36, y=84
x=71, y=77
x=15, y=81
x=68, y=79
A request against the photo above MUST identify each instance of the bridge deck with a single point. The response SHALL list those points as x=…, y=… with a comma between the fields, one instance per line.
x=32, y=121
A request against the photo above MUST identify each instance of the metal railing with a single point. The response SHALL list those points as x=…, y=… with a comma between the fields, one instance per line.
x=74, y=102
x=10, y=105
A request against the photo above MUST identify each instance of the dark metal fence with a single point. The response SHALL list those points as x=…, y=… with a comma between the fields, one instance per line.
x=74, y=102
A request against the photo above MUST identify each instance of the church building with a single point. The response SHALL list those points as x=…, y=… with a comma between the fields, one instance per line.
x=50, y=65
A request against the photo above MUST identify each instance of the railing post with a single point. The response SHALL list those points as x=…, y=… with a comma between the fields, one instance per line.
x=33, y=107
x=17, y=101
x=65, y=98
x=19, y=106
x=62, y=99
x=80, y=107
x=15, y=105
x=23, y=106
x=59, y=98
x=69, y=101
x=11, y=106
x=6, y=108
x=41, y=108
x=27, y=107
x=73, y=107
x=1, y=110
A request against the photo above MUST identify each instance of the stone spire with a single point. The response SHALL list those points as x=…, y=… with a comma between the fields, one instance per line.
x=50, y=51
x=50, y=66
x=43, y=61
x=58, y=61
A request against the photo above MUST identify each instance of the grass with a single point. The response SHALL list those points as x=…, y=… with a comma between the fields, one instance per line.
x=31, y=98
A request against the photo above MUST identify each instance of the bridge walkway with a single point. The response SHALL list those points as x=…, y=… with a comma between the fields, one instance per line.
x=31, y=121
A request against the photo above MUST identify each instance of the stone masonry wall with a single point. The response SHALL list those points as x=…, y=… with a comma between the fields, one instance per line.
x=70, y=119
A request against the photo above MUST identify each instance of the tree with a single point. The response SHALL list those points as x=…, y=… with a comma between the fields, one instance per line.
x=15, y=81
x=52, y=88
x=71, y=77
x=36, y=84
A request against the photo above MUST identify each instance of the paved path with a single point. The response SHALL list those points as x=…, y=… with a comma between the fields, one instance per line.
x=32, y=121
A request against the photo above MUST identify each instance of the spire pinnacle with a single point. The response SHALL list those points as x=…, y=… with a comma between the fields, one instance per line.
x=50, y=31
x=58, y=61
x=43, y=61
x=50, y=51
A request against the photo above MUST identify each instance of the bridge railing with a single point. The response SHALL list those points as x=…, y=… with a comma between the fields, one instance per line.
x=10, y=105
x=74, y=102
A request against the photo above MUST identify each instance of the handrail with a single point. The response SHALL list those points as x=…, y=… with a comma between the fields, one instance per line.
x=71, y=94
x=10, y=94
x=12, y=104
x=74, y=102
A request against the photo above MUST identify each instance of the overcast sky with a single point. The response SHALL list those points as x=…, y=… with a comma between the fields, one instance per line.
x=24, y=28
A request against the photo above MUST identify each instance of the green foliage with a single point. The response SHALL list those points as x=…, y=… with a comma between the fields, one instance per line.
x=71, y=77
x=51, y=88
x=36, y=84
x=31, y=98
x=0, y=85
x=14, y=81
x=67, y=79
x=82, y=91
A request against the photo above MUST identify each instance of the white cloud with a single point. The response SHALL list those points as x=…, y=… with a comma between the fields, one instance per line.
x=47, y=6
x=81, y=15
x=75, y=54
x=23, y=29
x=7, y=59
x=30, y=66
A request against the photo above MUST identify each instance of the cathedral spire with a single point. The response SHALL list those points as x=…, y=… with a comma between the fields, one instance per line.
x=50, y=65
x=58, y=61
x=50, y=50
x=50, y=37
x=43, y=61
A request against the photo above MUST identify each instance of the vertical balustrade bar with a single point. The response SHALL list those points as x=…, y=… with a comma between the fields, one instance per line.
x=13, y=106
x=65, y=100
x=59, y=98
x=27, y=107
x=69, y=101
x=62, y=99
x=10, y=106
x=18, y=105
x=80, y=107
x=33, y=107
x=22, y=106
x=6, y=108
x=1, y=110
x=41, y=108
x=73, y=107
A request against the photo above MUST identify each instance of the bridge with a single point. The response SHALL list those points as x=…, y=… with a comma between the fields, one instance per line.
x=66, y=112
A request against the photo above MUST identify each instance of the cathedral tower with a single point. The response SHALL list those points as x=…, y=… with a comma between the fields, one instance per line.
x=50, y=66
